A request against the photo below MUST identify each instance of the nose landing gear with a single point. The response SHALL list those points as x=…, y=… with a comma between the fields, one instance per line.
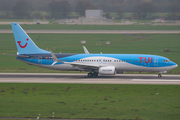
x=159, y=75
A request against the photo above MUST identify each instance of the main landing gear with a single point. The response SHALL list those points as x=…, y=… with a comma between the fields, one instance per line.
x=92, y=74
x=159, y=75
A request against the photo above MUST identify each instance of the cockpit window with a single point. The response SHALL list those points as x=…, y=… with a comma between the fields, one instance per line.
x=166, y=60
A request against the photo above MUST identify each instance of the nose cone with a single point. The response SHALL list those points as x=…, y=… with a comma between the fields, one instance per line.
x=174, y=65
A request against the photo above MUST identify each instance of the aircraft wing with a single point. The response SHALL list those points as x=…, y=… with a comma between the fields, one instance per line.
x=79, y=65
x=83, y=66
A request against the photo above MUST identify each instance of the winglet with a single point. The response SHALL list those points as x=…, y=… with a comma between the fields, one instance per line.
x=55, y=58
x=85, y=50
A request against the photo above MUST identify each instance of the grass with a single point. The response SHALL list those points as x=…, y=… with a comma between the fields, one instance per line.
x=147, y=102
x=138, y=21
x=92, y=27
x=130, y=15
x=112, y=14
x=121, y=44
x=15, y=20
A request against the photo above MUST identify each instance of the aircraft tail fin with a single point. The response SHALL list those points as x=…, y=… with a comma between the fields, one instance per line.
x=24, y=43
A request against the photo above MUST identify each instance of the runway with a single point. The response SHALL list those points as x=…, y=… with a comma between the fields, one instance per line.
x=83, y=79
x=98, y=31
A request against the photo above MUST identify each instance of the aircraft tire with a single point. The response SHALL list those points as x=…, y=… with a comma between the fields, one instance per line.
x=90, y=75
x=95, y=74
x=159, y=75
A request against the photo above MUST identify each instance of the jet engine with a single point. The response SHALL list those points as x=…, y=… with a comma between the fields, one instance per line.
x=110, y=70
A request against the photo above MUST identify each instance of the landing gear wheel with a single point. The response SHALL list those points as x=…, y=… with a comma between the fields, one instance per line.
x=159, y=75
x=90, y=75
x=95, y=74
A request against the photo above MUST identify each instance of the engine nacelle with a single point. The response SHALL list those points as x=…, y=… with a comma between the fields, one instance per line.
x=110, y=70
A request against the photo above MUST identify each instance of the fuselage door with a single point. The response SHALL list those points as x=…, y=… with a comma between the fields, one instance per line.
x=39, y=60
x=155, y=61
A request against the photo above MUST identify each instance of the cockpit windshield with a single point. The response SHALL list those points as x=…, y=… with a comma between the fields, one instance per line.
x=166, y=60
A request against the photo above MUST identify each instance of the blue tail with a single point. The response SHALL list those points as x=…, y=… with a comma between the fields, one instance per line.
x=24, y=43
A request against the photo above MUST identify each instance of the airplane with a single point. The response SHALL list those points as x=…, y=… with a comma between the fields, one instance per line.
x=95, y=64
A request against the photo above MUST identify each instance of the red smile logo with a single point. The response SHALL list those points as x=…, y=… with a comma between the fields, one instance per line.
x=19, y=42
